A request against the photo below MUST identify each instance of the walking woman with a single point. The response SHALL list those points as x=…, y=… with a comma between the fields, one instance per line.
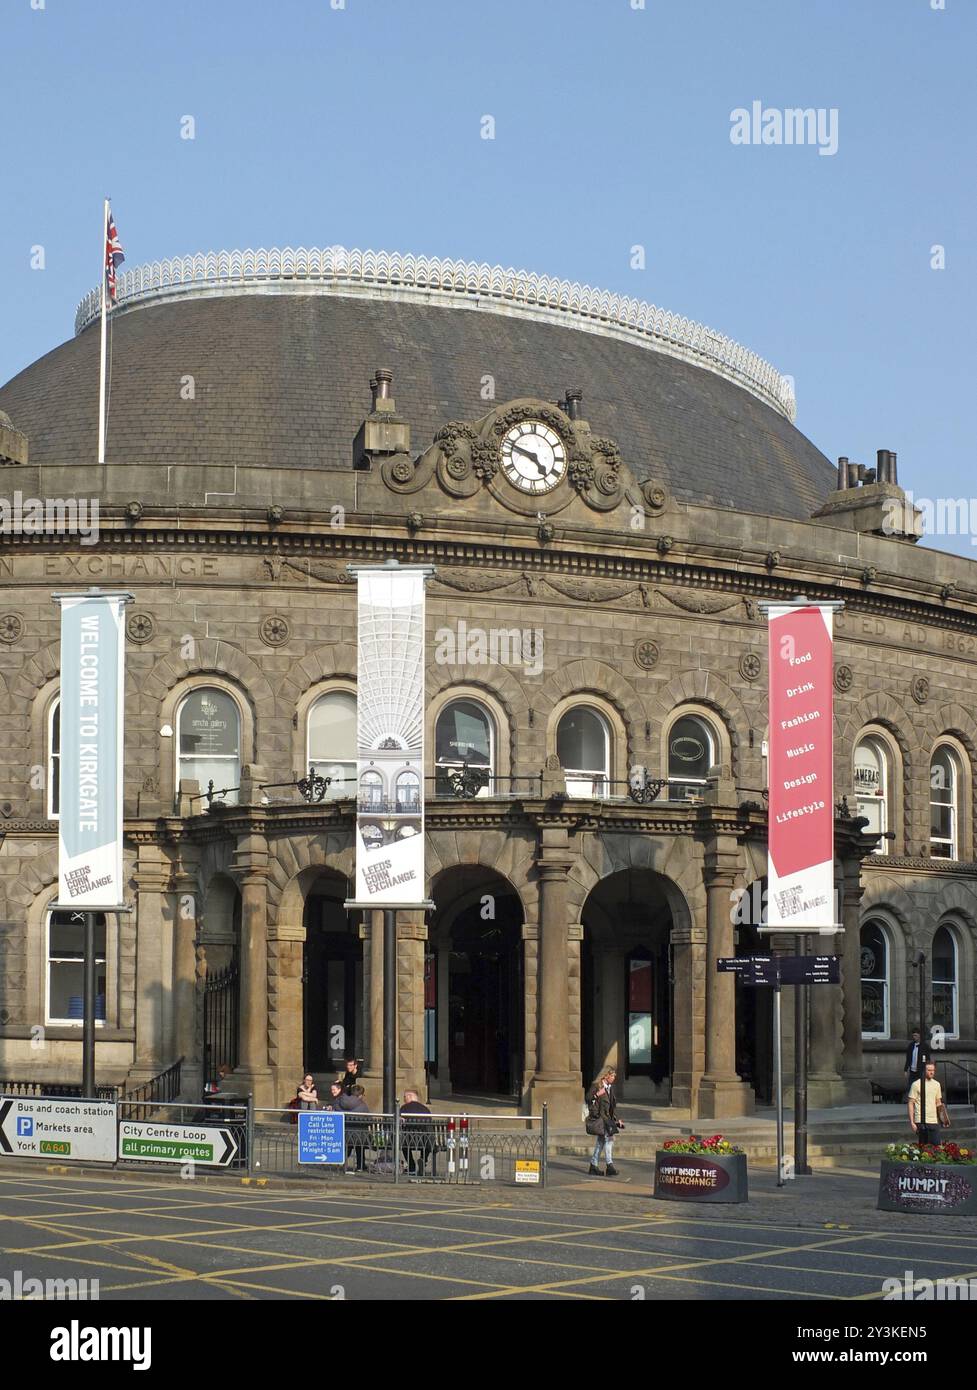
x=602, y=1122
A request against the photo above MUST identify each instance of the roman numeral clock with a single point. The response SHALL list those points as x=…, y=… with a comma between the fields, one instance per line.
x=533, y=457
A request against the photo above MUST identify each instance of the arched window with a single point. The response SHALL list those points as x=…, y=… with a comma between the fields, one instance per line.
x=371, y=789
x=872, y=784
x=875, y=981
x=945, y=982
x=66, y=968
x=209, y=742
x=691, y=753
x=54, y=759
x=408, y=791
x=331, y=741
x=464, y=736
x=944, y=794
x=583, y=746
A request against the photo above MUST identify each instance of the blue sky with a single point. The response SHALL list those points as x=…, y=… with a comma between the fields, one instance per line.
x=362, y=126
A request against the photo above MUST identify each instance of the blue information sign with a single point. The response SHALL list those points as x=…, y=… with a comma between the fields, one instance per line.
x=322, y=1136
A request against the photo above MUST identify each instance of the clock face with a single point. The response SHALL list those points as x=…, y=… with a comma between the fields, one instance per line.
x=533, y=457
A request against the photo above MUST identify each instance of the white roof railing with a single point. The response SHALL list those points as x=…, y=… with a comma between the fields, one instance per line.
x=383, y=274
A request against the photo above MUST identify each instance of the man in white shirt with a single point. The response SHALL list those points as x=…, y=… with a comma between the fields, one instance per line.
x=927, y=1130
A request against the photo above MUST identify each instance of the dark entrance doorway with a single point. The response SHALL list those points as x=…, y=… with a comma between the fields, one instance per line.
x=333, y=984
x=754, y=1005
x=478, y=965
x=626, y=1012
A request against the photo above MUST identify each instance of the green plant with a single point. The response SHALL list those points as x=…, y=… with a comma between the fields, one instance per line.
x=947, y=1152
x=712, y=1147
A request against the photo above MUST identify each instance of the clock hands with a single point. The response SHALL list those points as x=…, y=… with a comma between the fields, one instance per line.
x=533, y=458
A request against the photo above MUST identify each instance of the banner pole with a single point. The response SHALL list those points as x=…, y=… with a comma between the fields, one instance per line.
x=778, y=1066
x=88, y=1017
x=101, y=369
x=801, y=1006
x=389, y=1011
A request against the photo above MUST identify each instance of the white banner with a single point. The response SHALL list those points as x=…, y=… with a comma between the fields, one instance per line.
x=92, y=694
x=390, y=736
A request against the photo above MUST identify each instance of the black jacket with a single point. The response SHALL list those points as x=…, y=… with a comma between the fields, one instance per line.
x=924, y=1056
x=602, y=1107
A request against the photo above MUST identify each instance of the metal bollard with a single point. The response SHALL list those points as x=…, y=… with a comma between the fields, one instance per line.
x=463, y=1148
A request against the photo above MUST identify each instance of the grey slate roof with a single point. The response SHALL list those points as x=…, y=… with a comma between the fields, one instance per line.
x=284, y=379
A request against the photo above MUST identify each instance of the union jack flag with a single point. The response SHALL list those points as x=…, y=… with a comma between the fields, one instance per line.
x=114, y=255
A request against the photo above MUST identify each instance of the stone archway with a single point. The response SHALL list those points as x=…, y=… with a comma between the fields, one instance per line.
x=475, y=985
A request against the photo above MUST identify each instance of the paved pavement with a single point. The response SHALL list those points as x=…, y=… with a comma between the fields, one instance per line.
x=159, y=1238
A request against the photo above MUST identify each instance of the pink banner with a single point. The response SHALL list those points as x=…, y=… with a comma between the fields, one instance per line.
x=800, y=849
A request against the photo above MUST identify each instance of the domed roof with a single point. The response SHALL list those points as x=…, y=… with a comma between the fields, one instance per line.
x=280, y=361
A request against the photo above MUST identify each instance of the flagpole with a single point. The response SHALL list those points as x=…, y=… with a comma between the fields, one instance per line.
x=101, y=372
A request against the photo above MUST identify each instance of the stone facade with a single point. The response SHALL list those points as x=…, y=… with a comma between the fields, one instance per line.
x=647, y=603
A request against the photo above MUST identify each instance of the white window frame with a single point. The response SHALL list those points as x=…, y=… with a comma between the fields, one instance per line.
x=325, y=768
x=229, y=758
x=408, y=776
x=48, y=960
x=884, y=980
x=882, y=753
x=53, y=760
x=712, y=741
x=588, y=783
x=954, y=983
x=954, y=803
x=457, y=764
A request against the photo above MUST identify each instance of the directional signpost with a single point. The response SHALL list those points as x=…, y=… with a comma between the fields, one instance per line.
x=213, y=1147
x=322, y=1136
x=775, y=971
x=77, y=1130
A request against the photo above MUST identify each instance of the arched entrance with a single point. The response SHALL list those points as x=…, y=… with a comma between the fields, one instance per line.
x=754, y=1004
x=332, y=978
x=220, y=937
x=626, y=984
x=474, y=996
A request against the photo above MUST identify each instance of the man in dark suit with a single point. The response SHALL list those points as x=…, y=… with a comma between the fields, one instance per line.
x=916, y=1058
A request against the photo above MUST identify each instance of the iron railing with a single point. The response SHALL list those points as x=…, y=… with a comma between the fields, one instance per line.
x=455, y=1149
x=222, y=1002
x=158, y=1090
x=958, y=1086
x=43, y=1089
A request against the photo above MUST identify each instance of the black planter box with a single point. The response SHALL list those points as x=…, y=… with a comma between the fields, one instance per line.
x=933, y=1188
x=696, y=1178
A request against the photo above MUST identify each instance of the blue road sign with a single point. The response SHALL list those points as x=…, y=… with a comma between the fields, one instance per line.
x=322, y=1136
x=25, y=1126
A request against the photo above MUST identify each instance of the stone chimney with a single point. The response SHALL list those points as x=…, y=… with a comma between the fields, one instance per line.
x=13, y=444
x=382, y=433
x=870, y=500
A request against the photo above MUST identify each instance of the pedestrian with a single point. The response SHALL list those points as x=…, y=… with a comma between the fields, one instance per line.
x=334, y=1096
x=927, y=1130
x=602, y=1122
x=415, y=1134
x=307, y=1094
x=351, y=1076
x=916, y=1056
x=356, y=1130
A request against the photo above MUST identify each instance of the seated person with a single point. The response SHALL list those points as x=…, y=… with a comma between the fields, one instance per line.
x=335, y=1095
x=351, y=1076
x=307, y=1094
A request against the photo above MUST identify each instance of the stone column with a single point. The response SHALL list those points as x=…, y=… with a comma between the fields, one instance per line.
x=286, y=942
x=554, y=1082
x=858, y=1087
x=187, y=1042
x=721, y=1092
x=411, y=939
x=688, y=1014
x=250, y=869
x=824, y=1085
x=152, y=936
x=442, y=1082
x=372, y=934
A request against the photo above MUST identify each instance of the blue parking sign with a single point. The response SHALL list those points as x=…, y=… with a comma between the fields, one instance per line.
x=322, y=1136
x=25, y=1126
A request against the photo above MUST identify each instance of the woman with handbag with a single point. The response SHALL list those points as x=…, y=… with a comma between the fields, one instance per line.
x=602, y=1122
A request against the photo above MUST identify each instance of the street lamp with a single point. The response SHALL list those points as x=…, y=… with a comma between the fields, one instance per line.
x=920, y=964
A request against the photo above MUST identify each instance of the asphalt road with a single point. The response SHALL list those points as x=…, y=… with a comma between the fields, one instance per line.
x=162, y=1238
